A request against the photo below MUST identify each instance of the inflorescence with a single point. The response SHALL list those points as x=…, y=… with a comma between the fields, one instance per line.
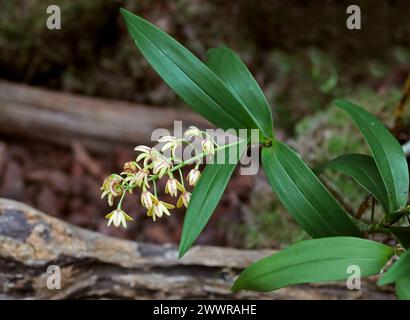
x=152, y=165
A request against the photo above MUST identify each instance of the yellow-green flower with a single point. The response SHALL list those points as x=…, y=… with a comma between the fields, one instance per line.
x=118, y=218
x=159, y=208
x=184, y=199
x=173, y=186
x=112, y=186
x=160, y=166
x=147, y=154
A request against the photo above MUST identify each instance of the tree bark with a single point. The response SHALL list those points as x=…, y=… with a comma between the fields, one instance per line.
x=101, y=125
x=96, y=266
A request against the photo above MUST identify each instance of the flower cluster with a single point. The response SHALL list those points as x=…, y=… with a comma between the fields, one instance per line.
x=152, y=165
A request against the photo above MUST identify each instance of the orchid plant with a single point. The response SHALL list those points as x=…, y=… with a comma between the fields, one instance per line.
x=224, y=92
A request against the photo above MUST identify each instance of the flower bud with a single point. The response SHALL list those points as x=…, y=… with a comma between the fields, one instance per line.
x=193, y=177
x=184, y=199
x=141, y=178
x=193, y=131
x=146, y=199
x=130, y=167
x=171, y=187
x=208, y=146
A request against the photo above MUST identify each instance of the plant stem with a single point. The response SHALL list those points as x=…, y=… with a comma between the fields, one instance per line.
x=155, y=188
x=121, y=199
x=182, y=178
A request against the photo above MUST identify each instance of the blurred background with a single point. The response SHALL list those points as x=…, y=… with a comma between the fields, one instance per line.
x=74, y=102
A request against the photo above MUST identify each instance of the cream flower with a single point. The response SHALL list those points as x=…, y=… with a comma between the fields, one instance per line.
x=173, y=186
x=112, y=186
x=139, y=179
x=160, y=166
x=118, y=218
x=170, y=143
x=193, y=131
x=208, y=146
x=147, y=199
x=184, y=199
x=193, y=177
x=159, y=208
x=147, y=154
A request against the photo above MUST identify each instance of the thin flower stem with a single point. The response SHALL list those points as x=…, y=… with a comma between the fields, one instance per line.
x=155, y=188
x=190, y=144
x=121, y=199
x=182, y=178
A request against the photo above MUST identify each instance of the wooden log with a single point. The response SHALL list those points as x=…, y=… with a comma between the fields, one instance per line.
x=96, y=266
x=99, y=124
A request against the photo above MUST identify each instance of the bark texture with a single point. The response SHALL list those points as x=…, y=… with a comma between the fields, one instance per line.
x=96, y=266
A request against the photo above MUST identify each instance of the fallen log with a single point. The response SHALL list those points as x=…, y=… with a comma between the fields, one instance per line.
x=94, y=266
x=99, y=124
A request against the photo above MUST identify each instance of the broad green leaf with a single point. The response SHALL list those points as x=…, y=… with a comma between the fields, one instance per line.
x=403, y=288
x=326, y=259
x=364, y=170
x=399, y=274
x=304, y=195
x=403, y=235
x=236, y=76
x=207, y=194
x=387, y=153
x=191, y=79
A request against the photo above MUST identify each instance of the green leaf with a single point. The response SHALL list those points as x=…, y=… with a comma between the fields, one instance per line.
x=207, y=194
x=236, y=76
x=399, y=274
x=403, y=235
x=387, y=153
x=403, y=288
x=304, y=195
x=399, y=270
x=191, y=79
x=364, y=170
x=326, y=259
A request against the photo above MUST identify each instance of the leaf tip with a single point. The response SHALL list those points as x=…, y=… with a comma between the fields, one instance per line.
x=128, y=16
x=240, y=284
x=124, y=12
x=183, y=248
x=339, y=102
x=235, y=287
x=180, y=254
